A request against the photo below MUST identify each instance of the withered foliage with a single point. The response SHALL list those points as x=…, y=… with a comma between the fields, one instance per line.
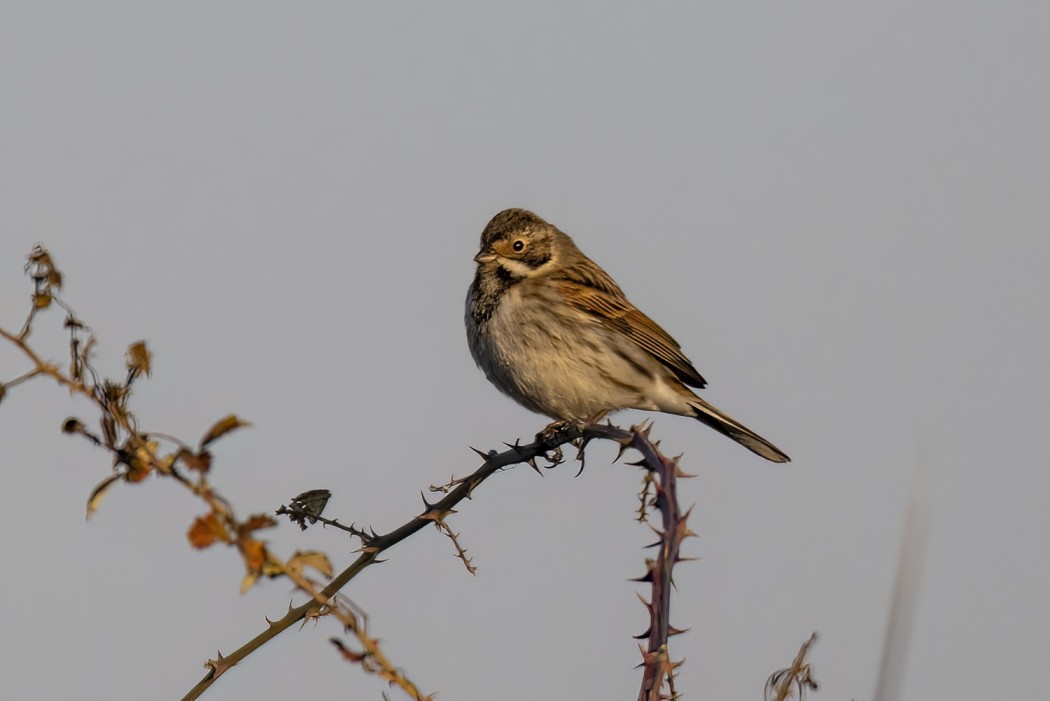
x=138, y=454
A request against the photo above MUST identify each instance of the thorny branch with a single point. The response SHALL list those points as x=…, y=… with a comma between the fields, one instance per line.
x=138, y=454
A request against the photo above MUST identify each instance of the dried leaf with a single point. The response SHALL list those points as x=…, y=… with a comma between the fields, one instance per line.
x=143, y=457
x=256, y=522
x=348, y=654
x=221, y=428
x=272, y=568
x=99, y=493
x=42, y=301
x=200, y=462
x=310, y=558
x=250, y=578
x=308, y=506
x=254, y=552
x=206, y=530
x=139, y=358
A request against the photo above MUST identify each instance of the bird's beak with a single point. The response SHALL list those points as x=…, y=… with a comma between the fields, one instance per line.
x=485, y=256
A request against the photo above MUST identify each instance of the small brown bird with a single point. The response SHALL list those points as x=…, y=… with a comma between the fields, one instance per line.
x=553, y=331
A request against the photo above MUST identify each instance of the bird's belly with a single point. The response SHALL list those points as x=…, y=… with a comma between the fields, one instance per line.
x=565, y=368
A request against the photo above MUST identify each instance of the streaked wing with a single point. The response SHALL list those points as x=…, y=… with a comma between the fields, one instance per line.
x=600, y=296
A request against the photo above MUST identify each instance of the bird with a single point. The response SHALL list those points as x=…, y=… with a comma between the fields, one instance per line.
x=553, y=331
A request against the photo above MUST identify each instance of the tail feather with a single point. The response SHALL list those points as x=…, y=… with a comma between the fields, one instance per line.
x=737, y=431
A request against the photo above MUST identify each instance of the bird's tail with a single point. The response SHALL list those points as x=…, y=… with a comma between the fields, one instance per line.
x=737, y=431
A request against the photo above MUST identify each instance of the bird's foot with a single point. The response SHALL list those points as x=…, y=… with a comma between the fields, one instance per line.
x=558, y=432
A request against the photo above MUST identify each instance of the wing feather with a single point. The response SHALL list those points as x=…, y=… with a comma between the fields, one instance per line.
x=602, y=298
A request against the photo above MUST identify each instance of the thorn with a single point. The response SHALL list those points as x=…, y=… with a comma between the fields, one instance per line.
x=648, y=658
x=425, y=502
x=671, y=630
x=531, y=462
x=643, y=636
x=645, y=578
x=622, y=449
x=484, y=455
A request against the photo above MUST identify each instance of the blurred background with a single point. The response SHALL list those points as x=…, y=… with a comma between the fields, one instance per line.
x=839, y=209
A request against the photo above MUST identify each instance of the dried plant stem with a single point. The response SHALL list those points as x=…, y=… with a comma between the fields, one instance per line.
x=374, y=545
x=137, y=454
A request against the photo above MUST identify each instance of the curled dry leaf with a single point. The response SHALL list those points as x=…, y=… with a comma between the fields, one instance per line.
x=310, y=558
x=306, y=507
x=206, y=530
x=99, y=493
x=221, y=428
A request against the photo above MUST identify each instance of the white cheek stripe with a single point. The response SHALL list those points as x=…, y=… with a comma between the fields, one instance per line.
x=522, y=269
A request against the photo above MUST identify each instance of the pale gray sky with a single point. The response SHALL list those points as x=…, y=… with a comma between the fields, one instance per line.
x=839, y=209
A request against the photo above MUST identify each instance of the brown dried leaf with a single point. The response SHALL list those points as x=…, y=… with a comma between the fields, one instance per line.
x=310, y=558
x=257, y=521
x=99, y=493
x=254, y=552
x=139, y=358
x=221, y=428
x=200, y=462
x=206, y=530
x=42, y=301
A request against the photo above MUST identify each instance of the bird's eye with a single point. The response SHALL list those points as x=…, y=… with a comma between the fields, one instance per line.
x=518, y=246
